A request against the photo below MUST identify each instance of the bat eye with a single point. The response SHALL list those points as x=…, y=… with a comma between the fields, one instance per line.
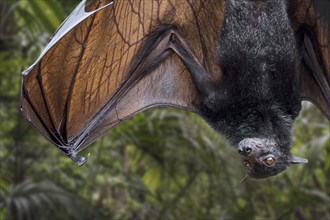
x=269, y=161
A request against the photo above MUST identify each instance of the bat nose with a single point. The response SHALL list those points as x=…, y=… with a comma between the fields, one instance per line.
x=245, y=147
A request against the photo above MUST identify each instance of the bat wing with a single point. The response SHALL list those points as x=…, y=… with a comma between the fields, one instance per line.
x=313, y=37
x=113, y=63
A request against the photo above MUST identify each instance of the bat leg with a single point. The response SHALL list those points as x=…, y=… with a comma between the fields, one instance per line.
x=211, y=95
x=200, y=76
x=157, y=48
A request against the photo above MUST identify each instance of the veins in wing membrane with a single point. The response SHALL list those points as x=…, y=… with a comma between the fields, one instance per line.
x=55, y=136
x=64, y=131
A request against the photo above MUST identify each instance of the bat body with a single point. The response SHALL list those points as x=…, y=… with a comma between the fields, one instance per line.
x=243, y=65
x=257, y=100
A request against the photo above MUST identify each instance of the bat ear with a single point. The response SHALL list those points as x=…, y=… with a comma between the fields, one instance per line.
x=298, y=160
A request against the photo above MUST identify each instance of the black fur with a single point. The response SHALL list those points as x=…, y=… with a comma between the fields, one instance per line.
x=257, y=97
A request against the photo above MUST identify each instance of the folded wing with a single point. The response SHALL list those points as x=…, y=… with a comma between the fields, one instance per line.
x=313, y=37
x=101, y=71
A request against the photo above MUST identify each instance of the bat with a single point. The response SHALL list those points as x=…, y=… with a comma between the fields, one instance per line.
x=242, y=65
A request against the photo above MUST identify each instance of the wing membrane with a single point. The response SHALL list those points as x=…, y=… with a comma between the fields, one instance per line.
x=93, y=77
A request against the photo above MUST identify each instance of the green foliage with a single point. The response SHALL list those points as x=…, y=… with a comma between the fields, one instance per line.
x=162, y=164
x=28, y=200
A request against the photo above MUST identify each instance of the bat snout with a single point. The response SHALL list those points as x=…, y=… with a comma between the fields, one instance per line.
x=247, y=146
x=244, y=149
x=250, y=146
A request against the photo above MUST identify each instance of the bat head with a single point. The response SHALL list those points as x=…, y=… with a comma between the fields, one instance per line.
x=264, y=140
x=263, y=157
x=262, y=135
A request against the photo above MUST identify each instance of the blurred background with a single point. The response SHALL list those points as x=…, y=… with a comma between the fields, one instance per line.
x=162, y=164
